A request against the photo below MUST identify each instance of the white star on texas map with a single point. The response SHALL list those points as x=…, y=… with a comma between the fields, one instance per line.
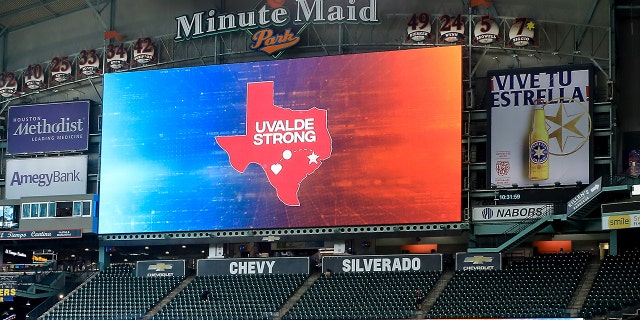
x=313, y=157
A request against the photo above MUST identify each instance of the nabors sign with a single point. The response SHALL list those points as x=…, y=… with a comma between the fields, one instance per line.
x=275, y=25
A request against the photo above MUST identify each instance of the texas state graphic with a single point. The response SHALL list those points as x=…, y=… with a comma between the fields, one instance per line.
x=288, y=144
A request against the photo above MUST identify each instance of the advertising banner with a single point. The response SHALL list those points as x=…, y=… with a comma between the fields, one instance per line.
x=512, y=212
x=621, y=221
x=621, y=215
x=40, y=234
x=478, y=261
x=161, y=268
x=387, y=263
x=48, y=176
x=364, y=139
x=50, y=127
x=584, y=196
x=289, y=265
x=540, y=126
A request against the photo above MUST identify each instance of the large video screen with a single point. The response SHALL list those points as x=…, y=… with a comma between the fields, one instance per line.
x=540, y=126
x=350, y=140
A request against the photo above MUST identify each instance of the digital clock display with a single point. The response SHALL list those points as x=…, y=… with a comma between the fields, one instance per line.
x=512, y=196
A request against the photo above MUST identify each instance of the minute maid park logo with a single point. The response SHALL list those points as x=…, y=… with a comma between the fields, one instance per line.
x=275, y=25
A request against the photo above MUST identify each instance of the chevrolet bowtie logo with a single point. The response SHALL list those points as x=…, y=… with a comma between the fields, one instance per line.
x=160, y=267
x=478, y=259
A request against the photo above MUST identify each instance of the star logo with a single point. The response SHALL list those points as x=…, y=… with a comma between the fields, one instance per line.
x=531, y=25
x=313, y=157
x=569, y=125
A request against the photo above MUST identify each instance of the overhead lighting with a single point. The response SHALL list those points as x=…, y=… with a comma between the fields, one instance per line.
x=28, y=303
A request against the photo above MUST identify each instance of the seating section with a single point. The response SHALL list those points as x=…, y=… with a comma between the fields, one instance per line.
x=617, y=285
x=115, y=294
x=540, y=286
x=232, y=297
x=378, y=295
x=537, y=287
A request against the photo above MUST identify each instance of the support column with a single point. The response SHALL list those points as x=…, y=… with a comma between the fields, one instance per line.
x=613, y=242
x=216, y=250
x=104, y=259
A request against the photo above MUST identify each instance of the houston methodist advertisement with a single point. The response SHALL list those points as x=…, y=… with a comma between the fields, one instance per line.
x=49, y=127
x=540, y=126
x=360, y=139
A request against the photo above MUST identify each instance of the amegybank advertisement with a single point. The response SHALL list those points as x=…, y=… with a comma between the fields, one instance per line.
x=47, y=176
x=357, y=139
x=50, y=127
x=540, y=126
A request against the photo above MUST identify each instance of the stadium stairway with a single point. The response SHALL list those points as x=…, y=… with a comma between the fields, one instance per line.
x=168, y=298
x=522, y=231
x=435, y=293
x=584, y=286
x=308, y=283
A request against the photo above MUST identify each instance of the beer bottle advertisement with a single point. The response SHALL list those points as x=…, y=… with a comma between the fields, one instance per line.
x=540, y=126
x=539, y=145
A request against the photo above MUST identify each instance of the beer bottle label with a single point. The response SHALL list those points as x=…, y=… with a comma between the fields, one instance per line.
x=539, y=152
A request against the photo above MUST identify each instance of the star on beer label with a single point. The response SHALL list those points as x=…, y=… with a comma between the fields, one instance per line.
x=569, y=127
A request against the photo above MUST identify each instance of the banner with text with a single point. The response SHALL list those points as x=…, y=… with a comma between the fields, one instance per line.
x=621, y=221
x=413, y=262
x=478, y=261
x=40, y=234
x=51, y=127
x=207, y=267
x=540, y=126
x=160, y=268
x=48, y=176
x=584, y=196
x=513, y=212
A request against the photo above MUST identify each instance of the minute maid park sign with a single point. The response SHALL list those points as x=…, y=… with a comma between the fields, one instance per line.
x=275, y=25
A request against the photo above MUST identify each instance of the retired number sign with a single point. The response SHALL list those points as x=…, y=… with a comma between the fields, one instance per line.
x=117, y=57
x=451, y=28
x=88, y=62
x=60, y=69
x=143, y=51
x=8, y=84
x=33, y=76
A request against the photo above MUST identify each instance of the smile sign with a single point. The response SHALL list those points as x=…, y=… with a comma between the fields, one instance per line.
x=275, y=25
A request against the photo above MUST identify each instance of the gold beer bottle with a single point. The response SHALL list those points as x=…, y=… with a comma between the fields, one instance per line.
x=538, y=146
